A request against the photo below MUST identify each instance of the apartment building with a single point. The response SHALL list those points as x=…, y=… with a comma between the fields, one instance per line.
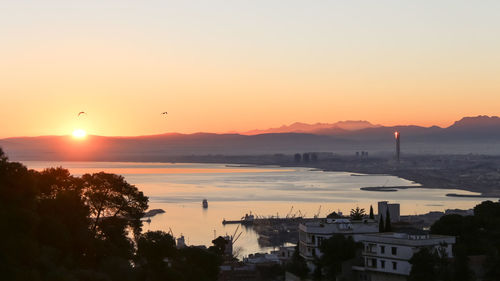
x=386, y=255
x=311, y=234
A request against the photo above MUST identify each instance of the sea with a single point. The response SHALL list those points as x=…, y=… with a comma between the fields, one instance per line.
x=235, y=190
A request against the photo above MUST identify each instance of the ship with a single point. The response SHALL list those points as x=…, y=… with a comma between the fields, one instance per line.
x=246, y=220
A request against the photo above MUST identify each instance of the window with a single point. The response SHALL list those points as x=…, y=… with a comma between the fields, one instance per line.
x=372, y=263
x=394, y=265
x=382, y=264
x=371, y=248
x=382, y=249
x=320, y=240
x=394, y=250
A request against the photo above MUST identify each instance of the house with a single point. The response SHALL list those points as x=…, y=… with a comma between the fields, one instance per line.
x=284, y=253
x=312, y=234
x=386, y=255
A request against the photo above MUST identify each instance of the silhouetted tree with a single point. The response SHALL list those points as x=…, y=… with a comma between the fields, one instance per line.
x=487, y=210
x=336, y=250
x=492, y=266
x=18, y=244
x=357, y=213
x=476, y=235
x=372, y=216
x=388, y=227
x=109, y=195
x=471, y=232
x=60, y=227
x=461, y=271
x=297, y=264
x=381, y=225
x=155, y=250
x=195, y=264
x=423, y=266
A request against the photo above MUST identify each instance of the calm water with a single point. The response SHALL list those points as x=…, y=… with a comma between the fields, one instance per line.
x=233, y=191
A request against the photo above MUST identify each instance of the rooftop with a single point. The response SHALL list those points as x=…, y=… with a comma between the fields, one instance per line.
x=411, y=238
x=330, y=226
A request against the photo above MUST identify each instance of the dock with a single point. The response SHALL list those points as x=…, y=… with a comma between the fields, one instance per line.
x=236, y=222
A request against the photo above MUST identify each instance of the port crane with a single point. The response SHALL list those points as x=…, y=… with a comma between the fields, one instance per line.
x=289, y=215
x=317, y=214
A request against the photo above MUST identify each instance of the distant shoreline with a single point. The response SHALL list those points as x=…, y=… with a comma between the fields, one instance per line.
x=430, y=171
x=468, y=195
x=388, y=188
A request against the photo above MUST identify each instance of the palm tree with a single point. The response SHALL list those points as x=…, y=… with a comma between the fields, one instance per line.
x=357, y=214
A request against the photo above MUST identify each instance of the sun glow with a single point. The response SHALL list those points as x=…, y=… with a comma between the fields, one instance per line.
x=79, y=134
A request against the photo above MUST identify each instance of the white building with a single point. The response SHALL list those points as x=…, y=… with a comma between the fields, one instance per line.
x=284, y=253
x=394, y=211
x=261, y=258
x=386, y=255
x=181, y=242
x=311, y=234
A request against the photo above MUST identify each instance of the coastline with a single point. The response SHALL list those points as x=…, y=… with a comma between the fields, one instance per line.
x=429, y=171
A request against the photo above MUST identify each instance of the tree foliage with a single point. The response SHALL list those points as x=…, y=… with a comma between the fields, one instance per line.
x=423, y=266
x=336, y=250
x=357, y=213
x=61, y=227
x=110, y=196
x=388, y=226
x=297, y=264
x=476, y=235
x=381, y=225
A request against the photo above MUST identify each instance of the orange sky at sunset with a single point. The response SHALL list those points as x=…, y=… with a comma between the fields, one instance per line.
x=239, y=66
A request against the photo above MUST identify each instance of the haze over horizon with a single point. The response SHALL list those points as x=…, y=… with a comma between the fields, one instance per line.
x=319, y=127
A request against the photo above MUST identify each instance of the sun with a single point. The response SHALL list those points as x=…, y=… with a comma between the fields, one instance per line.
x=79, y=134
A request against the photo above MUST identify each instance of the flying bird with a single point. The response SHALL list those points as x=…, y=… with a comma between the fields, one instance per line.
x=81, y=112
x=165, y=113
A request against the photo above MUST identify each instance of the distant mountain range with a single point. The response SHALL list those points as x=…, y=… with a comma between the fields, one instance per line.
x=480, y=134
x=318, y=128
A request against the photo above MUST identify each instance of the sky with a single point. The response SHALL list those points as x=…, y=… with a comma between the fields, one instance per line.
x=222, y=66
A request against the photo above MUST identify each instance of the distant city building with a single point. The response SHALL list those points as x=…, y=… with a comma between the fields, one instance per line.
x=362, y=153
x=394, y=211
x=386, y=255
x=284, y=253
x=312, y=234
x=228, y=250
x=262, y=258
x=181, y=242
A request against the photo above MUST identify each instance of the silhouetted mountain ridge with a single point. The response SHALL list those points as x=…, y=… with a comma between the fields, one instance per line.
x=317, y=128
x=480, y=134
